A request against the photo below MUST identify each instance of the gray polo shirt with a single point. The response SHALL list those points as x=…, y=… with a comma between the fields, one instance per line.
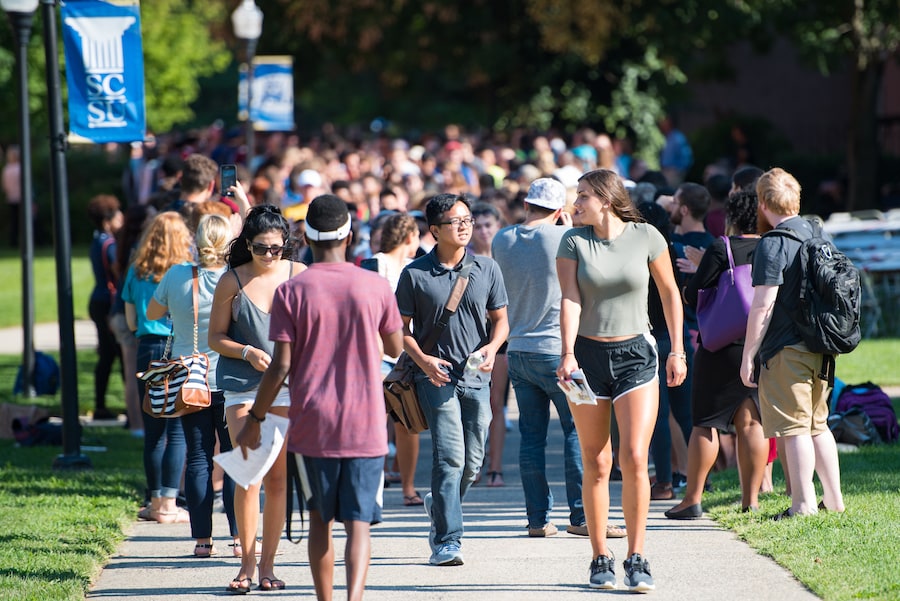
x=422, y=292
x=527, y=257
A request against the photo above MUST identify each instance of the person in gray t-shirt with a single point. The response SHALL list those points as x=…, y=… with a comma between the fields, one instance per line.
x=526, y=254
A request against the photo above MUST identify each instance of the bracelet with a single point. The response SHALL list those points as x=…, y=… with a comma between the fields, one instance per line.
x=252, y=416
x=679, y=355
x=564, y=354
x=244, y=351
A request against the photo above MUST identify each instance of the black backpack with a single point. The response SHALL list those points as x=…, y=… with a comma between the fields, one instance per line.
x=828, y=308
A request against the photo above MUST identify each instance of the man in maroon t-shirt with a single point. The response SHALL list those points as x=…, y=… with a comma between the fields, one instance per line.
x=331, y=324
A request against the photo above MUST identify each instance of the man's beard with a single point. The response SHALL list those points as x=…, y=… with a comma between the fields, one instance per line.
x=762, y=224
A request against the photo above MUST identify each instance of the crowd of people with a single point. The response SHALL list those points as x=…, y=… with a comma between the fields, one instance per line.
x=568, y=259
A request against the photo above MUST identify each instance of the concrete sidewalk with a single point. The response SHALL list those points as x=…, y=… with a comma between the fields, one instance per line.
x=46, y=337
x=694, y=560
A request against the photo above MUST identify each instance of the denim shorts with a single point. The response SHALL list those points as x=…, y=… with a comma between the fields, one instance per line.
x=346, y=488
x=613, y=369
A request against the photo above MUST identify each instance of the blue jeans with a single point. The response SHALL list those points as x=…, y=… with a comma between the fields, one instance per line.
x=458, y=418
x=533, y=378
x=678, y=400
x=164, y=446
x=200, y=430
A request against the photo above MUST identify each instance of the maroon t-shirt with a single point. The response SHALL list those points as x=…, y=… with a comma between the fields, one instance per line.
x=333, y=314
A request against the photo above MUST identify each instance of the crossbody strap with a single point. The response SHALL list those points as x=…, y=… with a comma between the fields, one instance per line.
x=196, y=300
x=456, y=294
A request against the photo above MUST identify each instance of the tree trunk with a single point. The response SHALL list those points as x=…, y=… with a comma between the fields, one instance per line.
x=863, y=150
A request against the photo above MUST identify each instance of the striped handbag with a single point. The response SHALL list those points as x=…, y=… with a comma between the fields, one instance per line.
x=176, y=387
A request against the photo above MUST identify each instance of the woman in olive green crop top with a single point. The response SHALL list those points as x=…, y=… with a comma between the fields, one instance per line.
x=604, y=270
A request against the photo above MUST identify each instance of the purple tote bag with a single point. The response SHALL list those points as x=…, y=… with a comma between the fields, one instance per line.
x=722, y=311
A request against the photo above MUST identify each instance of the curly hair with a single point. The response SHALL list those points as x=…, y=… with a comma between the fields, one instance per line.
x=397, y=228
x=102, y=207
x=260, y=219
x=166, y=242
x=740, y=212
x=213, y=236
x=607, y=184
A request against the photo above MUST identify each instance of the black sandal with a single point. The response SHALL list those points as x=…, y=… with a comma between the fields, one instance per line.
x=241, y=588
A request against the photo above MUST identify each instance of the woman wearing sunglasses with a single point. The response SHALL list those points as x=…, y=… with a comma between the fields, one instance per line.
x=239, y=331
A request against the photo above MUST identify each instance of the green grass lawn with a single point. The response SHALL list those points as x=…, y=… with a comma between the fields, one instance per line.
x=44, y=285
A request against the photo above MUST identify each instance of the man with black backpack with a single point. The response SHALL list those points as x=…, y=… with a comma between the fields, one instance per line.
x=792, y=368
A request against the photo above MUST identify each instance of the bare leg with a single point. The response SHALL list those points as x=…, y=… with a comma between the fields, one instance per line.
x=275, y=508
x=497, y=432
x=801, y=460
x=636, y=416
x=782, y=454
x=703, y=449
x=592, y=425
x=726, y=457
x=321, y=555
x=680, y=456
x=246, y=502
x=407, y=457
x=752, y=452
x=356, y=558
x=829, y=470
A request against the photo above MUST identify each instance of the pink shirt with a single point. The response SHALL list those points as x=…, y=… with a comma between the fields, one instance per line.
x=333, y=314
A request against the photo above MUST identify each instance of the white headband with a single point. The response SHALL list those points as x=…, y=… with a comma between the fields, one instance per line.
x=338, y=234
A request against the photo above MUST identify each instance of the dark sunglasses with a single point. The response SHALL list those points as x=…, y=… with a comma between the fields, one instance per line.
x=260, y=250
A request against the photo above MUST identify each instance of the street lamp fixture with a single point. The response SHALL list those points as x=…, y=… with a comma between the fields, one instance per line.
x=21, y=14
x=71, y=458
x=247, y=22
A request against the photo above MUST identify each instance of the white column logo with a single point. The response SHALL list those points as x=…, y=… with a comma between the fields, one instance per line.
x=104, y=63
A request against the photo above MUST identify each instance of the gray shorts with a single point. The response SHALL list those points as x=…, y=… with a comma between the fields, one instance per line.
x=613, y=369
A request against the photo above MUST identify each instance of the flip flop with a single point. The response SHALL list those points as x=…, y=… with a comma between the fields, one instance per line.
x=204, y=550
x=413, y=500
x=274, y=584
x=241, y=588
x=615, y=531
x=179, y=516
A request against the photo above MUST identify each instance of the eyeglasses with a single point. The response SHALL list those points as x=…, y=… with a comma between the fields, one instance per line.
x=260, y=250
x=458, y=221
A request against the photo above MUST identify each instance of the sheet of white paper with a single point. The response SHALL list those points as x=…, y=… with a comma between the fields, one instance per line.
x=249, y=471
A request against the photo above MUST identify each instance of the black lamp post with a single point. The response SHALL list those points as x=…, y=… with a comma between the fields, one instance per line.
x=62, y=242
x=21, y=13
x=247, y=22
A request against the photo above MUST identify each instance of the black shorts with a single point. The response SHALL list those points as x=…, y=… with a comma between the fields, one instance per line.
x=613, y=369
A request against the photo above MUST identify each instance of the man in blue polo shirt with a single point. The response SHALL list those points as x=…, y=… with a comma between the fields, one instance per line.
x=455, y=399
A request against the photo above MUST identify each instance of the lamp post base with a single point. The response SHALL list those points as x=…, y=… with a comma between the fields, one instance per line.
x=72, y=462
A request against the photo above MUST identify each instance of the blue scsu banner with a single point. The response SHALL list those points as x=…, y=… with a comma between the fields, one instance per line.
x=273, y=94
x=104, y=69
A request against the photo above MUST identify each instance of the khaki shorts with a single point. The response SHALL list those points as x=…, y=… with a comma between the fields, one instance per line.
x=793, y=400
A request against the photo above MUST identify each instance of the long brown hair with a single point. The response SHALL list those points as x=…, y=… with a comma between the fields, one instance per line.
x=608, y=185
x=166, y=242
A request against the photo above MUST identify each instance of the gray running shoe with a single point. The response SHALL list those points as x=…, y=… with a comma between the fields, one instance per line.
x=637, y=574
x=603, y=574
x=447, y=554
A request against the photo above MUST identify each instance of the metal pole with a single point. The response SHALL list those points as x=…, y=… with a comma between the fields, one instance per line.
x=62, y=241
x=251, y=133
x=21, y=24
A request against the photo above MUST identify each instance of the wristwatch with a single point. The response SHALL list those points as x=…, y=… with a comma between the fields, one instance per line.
x=252, y=416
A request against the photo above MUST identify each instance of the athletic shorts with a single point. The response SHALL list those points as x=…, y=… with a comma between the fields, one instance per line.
x=346, y=488
x=793, y=400
x=613, y=369
x=232, y=399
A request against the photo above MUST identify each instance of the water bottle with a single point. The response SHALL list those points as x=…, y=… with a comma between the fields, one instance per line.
x=474, y=360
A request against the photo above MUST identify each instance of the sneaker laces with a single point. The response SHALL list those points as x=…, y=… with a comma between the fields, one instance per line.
x=602, y=564
x=636, y=563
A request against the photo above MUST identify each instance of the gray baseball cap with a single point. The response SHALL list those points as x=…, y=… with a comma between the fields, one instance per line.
x=548, y=193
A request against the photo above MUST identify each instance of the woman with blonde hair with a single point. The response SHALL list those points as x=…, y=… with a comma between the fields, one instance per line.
x=175, y=296
x=239, y=332
x=166, y=242
x=604, y=270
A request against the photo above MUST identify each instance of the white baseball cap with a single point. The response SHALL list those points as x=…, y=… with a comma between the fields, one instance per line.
x=547, y=192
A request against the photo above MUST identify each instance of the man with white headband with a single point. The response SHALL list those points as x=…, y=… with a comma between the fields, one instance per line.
x=454, y=378
x=333, y=310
